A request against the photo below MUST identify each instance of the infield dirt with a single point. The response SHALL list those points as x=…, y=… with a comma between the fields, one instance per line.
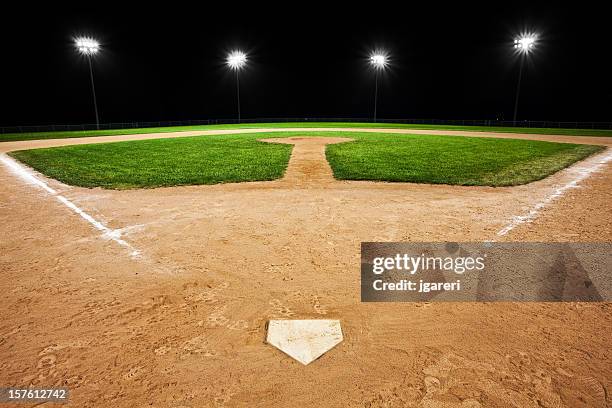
x=184, y=324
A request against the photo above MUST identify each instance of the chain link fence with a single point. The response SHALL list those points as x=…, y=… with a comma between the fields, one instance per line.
x=204, y=122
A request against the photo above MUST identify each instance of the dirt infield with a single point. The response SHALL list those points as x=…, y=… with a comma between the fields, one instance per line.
x=183, y=323
x=307, y=166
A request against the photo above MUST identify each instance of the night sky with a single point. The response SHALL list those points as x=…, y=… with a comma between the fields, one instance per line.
x=447, y=63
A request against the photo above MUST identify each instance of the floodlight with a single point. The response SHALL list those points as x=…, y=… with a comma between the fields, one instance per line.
x=87, y=45
x=379, y=60
x=236, y=60
x=525, y=43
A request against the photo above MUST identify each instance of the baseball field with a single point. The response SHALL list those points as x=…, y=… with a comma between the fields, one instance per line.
x=141, y=266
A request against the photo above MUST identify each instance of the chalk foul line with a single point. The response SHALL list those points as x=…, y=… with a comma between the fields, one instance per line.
x=584, y=170
x=107, y=233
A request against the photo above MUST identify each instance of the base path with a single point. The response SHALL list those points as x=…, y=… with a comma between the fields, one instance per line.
x=184, y=325
x=308, y=165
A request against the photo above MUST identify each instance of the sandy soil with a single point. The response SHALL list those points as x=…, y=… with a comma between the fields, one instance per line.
x=184, y=324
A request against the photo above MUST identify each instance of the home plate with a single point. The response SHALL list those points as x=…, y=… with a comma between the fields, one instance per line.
x=304, y=340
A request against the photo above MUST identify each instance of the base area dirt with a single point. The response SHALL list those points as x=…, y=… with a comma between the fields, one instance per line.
x=184, y=325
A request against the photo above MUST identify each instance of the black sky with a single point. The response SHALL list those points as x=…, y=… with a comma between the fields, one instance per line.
x=307, y=60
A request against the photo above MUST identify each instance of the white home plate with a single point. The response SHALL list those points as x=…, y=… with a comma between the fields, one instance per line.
x=304, y=340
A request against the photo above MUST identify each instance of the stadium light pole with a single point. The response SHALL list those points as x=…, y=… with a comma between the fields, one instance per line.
x=379, y=62
x=523, y=45
x=236, y=60
x=89, y=47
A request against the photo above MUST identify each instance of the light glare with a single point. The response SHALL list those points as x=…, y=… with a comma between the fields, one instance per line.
x=87, y=45
x=525, y=43
x=379, y=60
x=236, y=59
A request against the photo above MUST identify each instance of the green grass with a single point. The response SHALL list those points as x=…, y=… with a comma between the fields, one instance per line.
x=237, y=158
x=11, y=137
x=452, y=159
x=161, y=162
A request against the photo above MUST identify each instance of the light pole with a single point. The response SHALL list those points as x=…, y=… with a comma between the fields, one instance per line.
x=523, y=45
x=236, y=60
x=379, y=61
x=89, y=47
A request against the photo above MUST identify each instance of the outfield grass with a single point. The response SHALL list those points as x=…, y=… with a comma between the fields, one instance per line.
x=372, y=156
x=11, y=137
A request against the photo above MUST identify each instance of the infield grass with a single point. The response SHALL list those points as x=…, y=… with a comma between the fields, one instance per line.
x=12, y=137
x=451, y=159
x=161, y=162
x=237, y=158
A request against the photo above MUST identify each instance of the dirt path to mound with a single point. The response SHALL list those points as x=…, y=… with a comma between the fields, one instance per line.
x=308, y=165
x=183, y=325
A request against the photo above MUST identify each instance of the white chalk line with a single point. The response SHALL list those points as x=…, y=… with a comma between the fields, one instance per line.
x=583, y=170
x=107, y=233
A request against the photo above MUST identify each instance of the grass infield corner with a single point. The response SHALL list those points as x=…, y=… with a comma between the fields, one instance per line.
x=241, y=157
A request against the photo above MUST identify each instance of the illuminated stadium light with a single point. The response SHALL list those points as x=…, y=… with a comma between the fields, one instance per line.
x=87, y=45
x=236, y=60
x=379, y=60
x=525, y=43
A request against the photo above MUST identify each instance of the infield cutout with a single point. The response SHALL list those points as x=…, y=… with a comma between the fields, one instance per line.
x=30, y=178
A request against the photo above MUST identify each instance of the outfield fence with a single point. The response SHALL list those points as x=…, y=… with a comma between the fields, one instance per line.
x=202, y=122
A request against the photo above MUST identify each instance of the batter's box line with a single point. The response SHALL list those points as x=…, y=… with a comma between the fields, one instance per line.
x=107, y=233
